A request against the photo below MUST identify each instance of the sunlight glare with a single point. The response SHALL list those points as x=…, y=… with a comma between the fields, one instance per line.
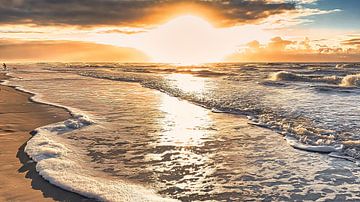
x=186, y=40
x=184, y=124
x=188, y=83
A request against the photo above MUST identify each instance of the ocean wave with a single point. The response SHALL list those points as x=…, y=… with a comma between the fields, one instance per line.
x=351, y=80
x=240, y=102
x=347, y=81
x=340, y=66
x=286, y=76
x=289, y=76
x=345, y=66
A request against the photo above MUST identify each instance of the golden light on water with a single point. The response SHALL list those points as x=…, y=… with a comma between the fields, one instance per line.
x=184, y=124
x=185, y=127
x=187, y=83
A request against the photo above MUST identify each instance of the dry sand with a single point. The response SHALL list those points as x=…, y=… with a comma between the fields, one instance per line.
x=19, y=180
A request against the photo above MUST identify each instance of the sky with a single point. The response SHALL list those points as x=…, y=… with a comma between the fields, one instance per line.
x=180, y=31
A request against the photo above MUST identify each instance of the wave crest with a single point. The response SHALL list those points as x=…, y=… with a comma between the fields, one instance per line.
x=289, y=76
x=344, y=66
x=351, y=80
x=286, y=76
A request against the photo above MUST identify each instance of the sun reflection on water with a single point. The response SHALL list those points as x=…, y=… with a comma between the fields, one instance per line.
x=184, y=124
x=188, y=82
x=185, y=130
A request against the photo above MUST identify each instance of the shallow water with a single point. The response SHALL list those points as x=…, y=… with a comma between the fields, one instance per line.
x=308, y=101
x=185, y=151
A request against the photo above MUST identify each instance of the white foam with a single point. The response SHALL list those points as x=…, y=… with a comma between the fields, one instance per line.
x=343, y=66
x=285, y=76
x=62, y=165
x=289, y=76
x=351, y=80
x=318, y=148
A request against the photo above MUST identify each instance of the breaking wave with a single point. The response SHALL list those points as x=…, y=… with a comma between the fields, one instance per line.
x=289, y=76
x=286, y=76
x=345, y=66
x=351, y=81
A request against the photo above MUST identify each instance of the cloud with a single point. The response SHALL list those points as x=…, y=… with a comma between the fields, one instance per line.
x=135, y=12
x=306, y=50
x=277, y=43
x=120, y=31
x=353, y=41
x=20, y=32
x=295, y=17
x=297, y=1
x=66, y=51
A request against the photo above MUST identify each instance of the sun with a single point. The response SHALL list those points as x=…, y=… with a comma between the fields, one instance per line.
x=187, y=39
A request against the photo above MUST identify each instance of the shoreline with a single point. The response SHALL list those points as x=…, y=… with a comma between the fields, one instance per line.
x=18, y=176
x=270, y=147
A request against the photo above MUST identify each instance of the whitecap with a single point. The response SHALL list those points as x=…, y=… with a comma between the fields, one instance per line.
x=351, y=80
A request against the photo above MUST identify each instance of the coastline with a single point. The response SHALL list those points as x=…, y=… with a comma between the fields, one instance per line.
x=272, y=155
x=19, y=180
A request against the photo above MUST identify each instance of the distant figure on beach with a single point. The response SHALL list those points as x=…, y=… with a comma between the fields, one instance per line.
x=4, y=66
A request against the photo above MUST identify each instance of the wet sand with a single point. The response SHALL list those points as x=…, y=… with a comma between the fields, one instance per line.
x=19, y=180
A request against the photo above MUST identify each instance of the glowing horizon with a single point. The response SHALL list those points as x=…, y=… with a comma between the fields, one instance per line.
x=186, y=39
x=183, y=32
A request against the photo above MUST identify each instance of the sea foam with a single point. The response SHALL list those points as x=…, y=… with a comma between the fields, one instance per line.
x=286, y=76
x=290, y=76
x=60, y=163
x=344, y=66
x=351, y=80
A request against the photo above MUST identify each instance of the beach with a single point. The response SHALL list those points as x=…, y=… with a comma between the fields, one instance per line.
x=19, y=180
x=180, y=100
x=153, y=135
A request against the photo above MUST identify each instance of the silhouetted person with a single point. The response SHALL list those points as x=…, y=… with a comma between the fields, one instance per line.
x=4, y=66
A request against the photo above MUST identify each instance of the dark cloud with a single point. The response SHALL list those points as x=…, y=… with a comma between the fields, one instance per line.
x=354, y=41
x=134, y=12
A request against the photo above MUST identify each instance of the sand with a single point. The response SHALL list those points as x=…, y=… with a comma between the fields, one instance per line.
x=19, y=180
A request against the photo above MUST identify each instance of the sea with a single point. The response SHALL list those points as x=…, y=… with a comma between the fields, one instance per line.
x=211, y=132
